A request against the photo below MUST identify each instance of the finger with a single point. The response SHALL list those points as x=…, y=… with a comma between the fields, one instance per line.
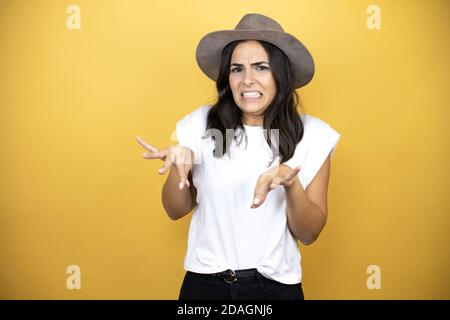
x=146, y=145
x=276, y=181
x=291, y=177
x=154, y=155
x=261, y=190
x=258, y=200
x=187, y=169
x=167, y=164
x=273, y=186
x=181, y=174
x=293, y=173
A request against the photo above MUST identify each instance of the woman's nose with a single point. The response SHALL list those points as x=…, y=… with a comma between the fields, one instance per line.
x=248, y=77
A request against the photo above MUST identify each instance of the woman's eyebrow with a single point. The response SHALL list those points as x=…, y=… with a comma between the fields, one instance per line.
x=253, y=64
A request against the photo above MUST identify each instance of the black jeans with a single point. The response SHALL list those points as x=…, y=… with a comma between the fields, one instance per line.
x=250, y=285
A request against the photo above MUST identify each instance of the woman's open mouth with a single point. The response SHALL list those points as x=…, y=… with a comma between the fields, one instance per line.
x=251, y=95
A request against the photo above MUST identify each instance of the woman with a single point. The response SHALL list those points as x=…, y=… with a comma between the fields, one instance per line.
x=254, y=170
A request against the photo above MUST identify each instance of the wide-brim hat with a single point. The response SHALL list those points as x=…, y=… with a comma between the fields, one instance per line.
x=255, y=26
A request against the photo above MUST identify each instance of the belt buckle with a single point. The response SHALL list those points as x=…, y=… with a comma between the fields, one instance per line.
x=232, y=276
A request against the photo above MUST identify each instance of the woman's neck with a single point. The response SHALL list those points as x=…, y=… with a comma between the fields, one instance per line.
x=253, y=121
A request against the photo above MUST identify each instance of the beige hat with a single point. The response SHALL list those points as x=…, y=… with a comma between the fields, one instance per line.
x=255, y=26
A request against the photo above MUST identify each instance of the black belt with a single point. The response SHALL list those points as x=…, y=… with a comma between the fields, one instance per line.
x=230, y=276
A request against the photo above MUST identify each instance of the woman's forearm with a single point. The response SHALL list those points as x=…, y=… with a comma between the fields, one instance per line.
x=176, y=202
x=305, y=219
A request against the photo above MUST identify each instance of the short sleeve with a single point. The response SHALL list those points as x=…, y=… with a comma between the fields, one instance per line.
x=319, y=141
x=322, y=144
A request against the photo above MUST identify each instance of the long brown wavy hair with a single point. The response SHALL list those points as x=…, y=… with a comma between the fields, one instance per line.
x=281, y=114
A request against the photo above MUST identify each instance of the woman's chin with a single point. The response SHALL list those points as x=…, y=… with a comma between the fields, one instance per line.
x=252, y=106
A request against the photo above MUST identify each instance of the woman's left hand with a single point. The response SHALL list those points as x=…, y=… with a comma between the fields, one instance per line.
x=281, y=175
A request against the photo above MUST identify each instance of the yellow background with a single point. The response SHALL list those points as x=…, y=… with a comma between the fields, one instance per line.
x=74, y=188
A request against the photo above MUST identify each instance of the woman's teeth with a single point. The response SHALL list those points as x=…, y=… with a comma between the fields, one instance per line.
x=251, y=94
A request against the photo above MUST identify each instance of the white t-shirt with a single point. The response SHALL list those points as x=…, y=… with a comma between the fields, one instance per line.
x=225, y=233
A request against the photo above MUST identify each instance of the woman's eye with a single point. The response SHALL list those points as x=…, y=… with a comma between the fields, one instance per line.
x=258, y=68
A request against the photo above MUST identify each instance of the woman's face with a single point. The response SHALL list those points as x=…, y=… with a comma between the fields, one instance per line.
x=251, y=81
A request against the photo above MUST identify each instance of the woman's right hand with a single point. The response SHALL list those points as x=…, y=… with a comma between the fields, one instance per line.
x=181, y=157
